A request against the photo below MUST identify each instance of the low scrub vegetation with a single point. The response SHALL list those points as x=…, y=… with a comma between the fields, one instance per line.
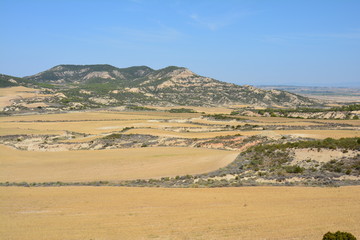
x=140, y=108
x=330, y=143
x=339, y=236
x=222, y=117
x=182, y=110
x=353, y=107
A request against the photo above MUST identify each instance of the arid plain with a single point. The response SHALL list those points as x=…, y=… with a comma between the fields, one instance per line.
x=87, y=212
x=53, y=213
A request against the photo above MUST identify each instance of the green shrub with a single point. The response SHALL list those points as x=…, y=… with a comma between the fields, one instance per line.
x=339, y=236
x=113, y=136
x=182, y=110
x=294, y=169
x=140, y=108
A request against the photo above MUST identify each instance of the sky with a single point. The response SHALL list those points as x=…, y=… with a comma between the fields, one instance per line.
x=256, y=42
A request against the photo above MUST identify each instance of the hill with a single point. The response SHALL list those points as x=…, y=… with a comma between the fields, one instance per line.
x=91, y=86
x=11, y=81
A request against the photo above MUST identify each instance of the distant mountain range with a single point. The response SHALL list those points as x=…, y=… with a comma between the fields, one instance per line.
x=99, y=85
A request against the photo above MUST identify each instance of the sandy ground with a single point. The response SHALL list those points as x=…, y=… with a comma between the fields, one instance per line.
x=112, y=213
x=113, y=164
x=324, y=155
x=285, y=121
x=90, y=127
x=100, y=115
x=154, y=123
x=320, y=134
x=165, y=133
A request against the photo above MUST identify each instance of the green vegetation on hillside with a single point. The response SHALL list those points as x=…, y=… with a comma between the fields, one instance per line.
x=222, y=117
x=353, y=107
x=140, y=108
x=182, y=110
x=189, y=89
x=11, y=81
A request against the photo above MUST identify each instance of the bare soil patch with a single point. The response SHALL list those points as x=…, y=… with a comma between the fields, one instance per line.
x=321, y=155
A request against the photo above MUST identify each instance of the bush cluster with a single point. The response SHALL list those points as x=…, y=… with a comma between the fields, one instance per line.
x=339, y=236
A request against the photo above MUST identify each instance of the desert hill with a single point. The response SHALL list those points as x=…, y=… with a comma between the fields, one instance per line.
x=91, y=86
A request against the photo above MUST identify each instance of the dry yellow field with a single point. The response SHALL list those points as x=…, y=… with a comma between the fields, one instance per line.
x=90, y=127
x=351, y=122
x=165, y=133
x=99, y=115
x=106, y=213
x=14, y=130
x=11, y=93
x=321, y=134
x=284, y=121
x=208, y=110
x=114, y=164
x=112, y=213
x=106, y=122
x=89, y=122
x=317, y=134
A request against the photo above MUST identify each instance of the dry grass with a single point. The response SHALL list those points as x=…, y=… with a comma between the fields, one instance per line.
x=351, y=122
x=99, y=115
x=114, y=164
x=11, y=93
x=275, y=119
x=90, y=127
x=5, y=129
x=216, y=122
x=317, y=134
x=320, y=134
x=299, y=122
x=90, y=122
x=114, y=213
x=106, y=122
x=208, y=110
x=150, y=213
x=165, y=133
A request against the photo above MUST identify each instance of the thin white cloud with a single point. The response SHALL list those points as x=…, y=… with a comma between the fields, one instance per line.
x=211, y=24
x=214, y=23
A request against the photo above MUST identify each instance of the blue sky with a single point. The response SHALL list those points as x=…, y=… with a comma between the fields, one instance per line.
x=297, y=42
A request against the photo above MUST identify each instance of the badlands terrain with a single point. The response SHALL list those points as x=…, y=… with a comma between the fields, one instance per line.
x=78, y=162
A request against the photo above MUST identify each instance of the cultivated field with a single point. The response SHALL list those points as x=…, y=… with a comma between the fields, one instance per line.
x=109, y=165
x=161, y=132
x=159, y=124
x=7, y=95
x=113, y=213
x=159, y=213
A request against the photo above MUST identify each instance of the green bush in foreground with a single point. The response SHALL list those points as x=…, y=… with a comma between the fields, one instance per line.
x=339, y=236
